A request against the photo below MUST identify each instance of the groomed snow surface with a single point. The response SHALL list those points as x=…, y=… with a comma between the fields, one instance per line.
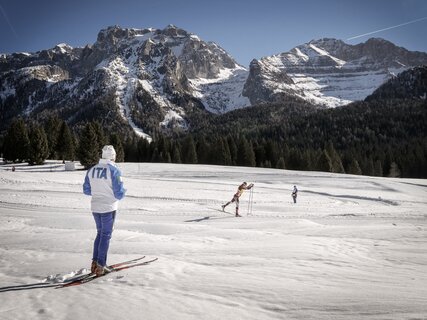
x=353, y=247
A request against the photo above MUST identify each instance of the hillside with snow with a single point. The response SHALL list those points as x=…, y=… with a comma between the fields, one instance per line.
x=329, y=72
x=352, y=247
x=146, y=80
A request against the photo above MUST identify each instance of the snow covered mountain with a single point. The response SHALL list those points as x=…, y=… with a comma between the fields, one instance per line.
x=146, y=79
x=328, y=72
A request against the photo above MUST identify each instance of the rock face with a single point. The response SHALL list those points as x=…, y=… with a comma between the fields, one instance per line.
x=151, y=79
x=328, y=72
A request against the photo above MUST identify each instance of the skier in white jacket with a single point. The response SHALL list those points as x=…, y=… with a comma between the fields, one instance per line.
x=104, y=183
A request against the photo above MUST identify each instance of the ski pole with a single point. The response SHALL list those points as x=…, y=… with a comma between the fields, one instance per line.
x=249, y=212
x=252, y=199
x=249, y=202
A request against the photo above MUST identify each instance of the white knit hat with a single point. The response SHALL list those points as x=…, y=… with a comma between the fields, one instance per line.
x=109, y=153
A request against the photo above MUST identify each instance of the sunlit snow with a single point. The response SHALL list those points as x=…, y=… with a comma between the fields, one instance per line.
x=352, y=247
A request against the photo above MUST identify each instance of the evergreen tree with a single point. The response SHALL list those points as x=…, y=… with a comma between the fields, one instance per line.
x=233, y=150
x=176, y=153
x=163, y=145
x=144, y=152
x=100, y=135
x=52, y=128
x=285, y=151
x=394, y=170
x=246, y=154
x=226, y=155
x=307, y=160
x=167, y=157
x=203, y=152
x=368, y=167
x=266, y=164
x=116, y=142
x=420, y=160
x=1, y=144
x=220, y=153
x=38, y=148
x=131, y=149
x=272, y=152
x=354, y=168
x=347, y=159
x=324, y=162
x=281, y=163
x=378, y=169
x=65, y=147
x=89, y=151
x=189, y=150
x=155, y=155
x=16, y=142
x=336, y=162
x=294, y=159
x=260, y=155
x=387, y=162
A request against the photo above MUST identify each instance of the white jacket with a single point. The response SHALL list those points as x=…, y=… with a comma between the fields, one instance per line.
x=104, y=183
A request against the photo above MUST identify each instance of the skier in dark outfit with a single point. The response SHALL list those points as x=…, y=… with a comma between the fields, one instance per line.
x=295, y=194
x=244, y=186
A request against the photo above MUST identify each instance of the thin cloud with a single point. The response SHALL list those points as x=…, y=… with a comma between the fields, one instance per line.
x=399, y=25
x=8, y=21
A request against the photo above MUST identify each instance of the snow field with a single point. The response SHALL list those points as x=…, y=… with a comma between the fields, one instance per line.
x=353, y=247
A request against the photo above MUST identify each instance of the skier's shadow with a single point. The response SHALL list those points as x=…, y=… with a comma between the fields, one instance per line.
x=198, y=220
x=208, y=218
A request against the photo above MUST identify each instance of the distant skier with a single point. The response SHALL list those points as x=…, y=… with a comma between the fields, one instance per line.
x=104, y=183
x=244, y=186
x=295, y=194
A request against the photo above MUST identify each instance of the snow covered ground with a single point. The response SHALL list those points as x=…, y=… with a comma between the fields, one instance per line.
x=353, y=247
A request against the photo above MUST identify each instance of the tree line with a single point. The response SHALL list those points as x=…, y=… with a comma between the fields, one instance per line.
x=380, y=138
x=34, y=142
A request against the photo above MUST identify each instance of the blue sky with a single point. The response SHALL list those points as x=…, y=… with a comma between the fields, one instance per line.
x=246, y=29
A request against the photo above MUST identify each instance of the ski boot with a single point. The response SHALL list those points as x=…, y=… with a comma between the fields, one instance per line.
x=101, y=270
x=93, y=266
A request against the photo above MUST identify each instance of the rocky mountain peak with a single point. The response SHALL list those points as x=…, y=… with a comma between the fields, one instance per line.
x=110, y=38
x=173, y=31
x=151, y=78
x=328, y=71
x=331, y=45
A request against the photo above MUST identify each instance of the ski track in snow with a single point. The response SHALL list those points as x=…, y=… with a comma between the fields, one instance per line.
x=353, y=247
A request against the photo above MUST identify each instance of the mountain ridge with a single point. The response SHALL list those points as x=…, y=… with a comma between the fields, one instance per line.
x=151, y=79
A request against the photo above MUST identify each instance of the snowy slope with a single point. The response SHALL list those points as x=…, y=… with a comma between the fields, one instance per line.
x=353, y=247
x=164, y=64
x=224, y=93
x=158, y=78
x=331, y=73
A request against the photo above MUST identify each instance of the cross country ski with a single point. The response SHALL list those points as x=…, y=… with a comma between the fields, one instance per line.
x=78, y=279
x=113, y=268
